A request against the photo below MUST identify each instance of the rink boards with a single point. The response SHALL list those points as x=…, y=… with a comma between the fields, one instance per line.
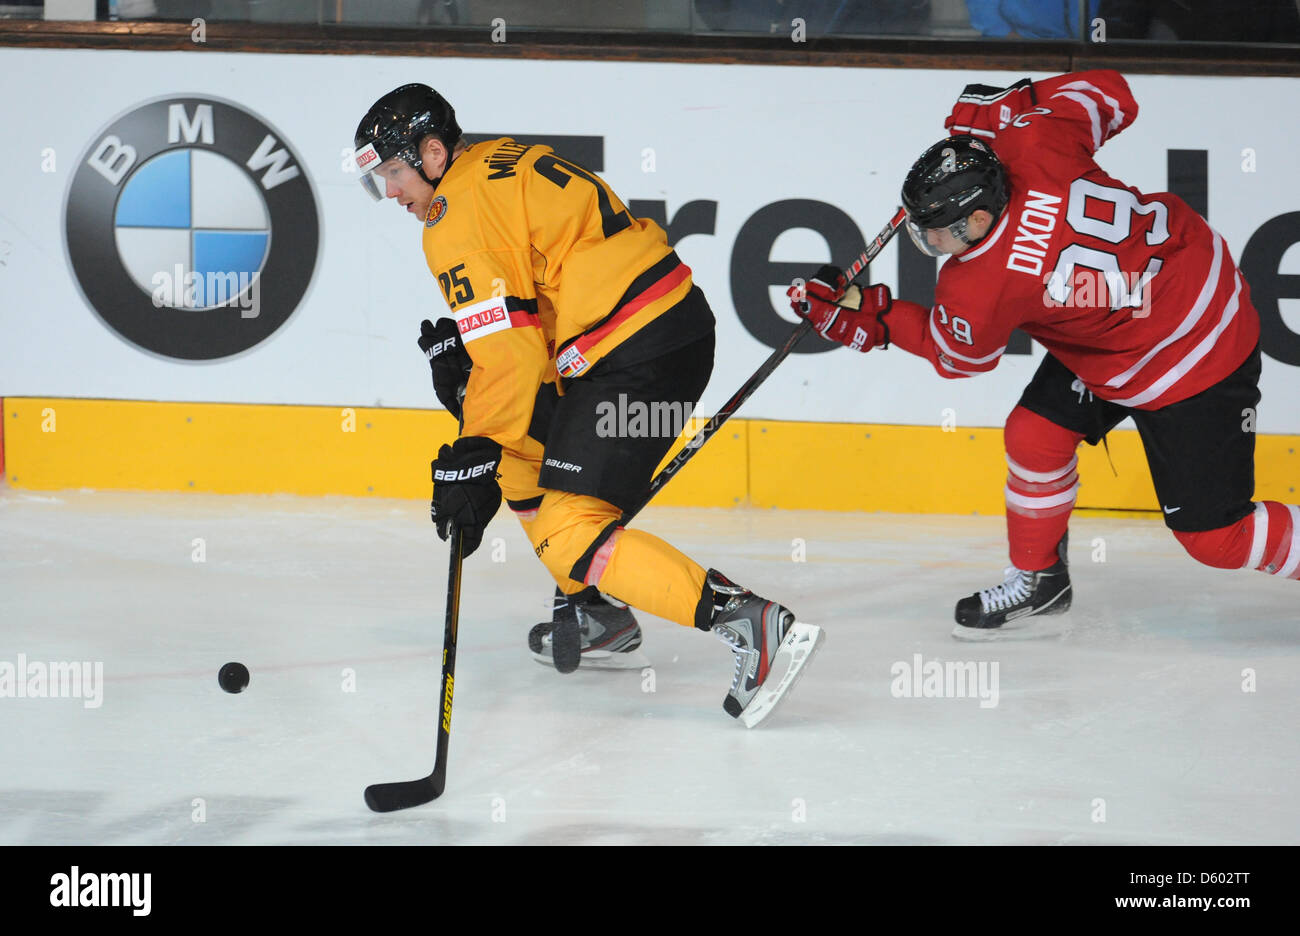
x=239, y=449
x=97, y=327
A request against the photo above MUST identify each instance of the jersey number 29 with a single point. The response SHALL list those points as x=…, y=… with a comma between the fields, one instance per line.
x=1125, y=290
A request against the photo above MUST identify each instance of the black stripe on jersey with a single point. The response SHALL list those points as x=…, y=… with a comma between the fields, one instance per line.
x=531, y=503
x=515, y=304
x=644, y=282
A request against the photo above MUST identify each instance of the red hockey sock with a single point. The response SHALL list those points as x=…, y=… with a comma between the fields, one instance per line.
x=1267, y=540
x=1041, y=486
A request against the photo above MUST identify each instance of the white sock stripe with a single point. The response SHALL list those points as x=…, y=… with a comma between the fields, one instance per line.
x=1293, y=558
x=1062, y=511
x=1040, y=503
x=1041, y=477
x=1259, y=537
x=1021, y=486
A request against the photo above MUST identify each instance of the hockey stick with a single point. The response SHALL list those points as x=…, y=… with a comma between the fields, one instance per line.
x=747, y=389
x=565, y=639
x=386, y=797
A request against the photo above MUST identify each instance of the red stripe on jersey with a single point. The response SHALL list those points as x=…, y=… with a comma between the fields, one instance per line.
x=573, y=361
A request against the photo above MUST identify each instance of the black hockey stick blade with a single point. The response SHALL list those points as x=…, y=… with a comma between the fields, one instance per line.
x=566, y=643
x=388, y=797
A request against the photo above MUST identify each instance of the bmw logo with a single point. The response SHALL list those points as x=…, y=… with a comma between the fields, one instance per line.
x=191, y=228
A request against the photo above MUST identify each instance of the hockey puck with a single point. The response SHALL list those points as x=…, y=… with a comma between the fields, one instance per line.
x=233, y=677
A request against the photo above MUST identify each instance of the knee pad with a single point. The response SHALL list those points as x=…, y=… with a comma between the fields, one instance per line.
x=1224, y=548
x=1042, y=472
x=568, y=531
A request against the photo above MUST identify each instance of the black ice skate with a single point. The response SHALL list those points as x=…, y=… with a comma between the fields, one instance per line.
x=609, y=636
x=765, y=638
x=1022, y=600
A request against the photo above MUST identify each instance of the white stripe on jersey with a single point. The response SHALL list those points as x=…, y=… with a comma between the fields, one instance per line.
x=1041, y=503
x=956, y=370
x=1189, y=321
x=1041, y=477
x=1179, y=370
x=1258, y=538
x=943, y=345
x=1090, y=106
x=1118, y=120
x=989, y=239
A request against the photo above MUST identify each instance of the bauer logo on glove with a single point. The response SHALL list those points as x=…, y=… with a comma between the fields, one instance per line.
x=462, y=474
x=465, y=489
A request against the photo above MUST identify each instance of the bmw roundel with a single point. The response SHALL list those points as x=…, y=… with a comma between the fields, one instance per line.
x=192, y=228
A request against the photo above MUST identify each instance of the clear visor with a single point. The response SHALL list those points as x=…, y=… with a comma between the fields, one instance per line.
x=922, y=237
x=373, y=186
x=367, y=162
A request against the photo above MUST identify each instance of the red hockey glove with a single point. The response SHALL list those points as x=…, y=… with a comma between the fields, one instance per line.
x=843, y=312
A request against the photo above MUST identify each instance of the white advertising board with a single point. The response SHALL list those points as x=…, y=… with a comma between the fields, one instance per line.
x=767, y=171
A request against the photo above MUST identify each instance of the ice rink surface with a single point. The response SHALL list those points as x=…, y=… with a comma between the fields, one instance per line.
x=1166, y=713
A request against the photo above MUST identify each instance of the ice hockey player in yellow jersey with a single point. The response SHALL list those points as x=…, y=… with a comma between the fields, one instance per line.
x=564, y=306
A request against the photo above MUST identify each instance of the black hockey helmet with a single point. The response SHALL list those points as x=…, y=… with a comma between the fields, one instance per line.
x=951, y=180
x=395, y=126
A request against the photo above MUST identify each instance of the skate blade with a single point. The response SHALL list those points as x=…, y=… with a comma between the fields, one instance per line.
x=604, y=660
x=797, y=649
x=1035, y=627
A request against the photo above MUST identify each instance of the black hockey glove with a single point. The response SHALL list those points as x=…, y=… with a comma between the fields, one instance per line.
x=465, y=488
x=448, y=360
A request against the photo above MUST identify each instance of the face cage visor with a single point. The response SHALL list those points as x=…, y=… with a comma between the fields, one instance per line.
x=958, y=229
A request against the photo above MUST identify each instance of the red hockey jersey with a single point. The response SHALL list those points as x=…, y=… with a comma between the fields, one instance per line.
x=1134, y=293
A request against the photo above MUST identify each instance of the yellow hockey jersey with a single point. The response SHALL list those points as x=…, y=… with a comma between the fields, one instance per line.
x=545, y=271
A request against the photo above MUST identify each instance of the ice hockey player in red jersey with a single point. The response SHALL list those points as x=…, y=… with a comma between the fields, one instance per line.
x=1137, y=300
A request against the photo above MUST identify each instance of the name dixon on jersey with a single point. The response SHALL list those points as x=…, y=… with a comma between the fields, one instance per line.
x=1034, y=233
